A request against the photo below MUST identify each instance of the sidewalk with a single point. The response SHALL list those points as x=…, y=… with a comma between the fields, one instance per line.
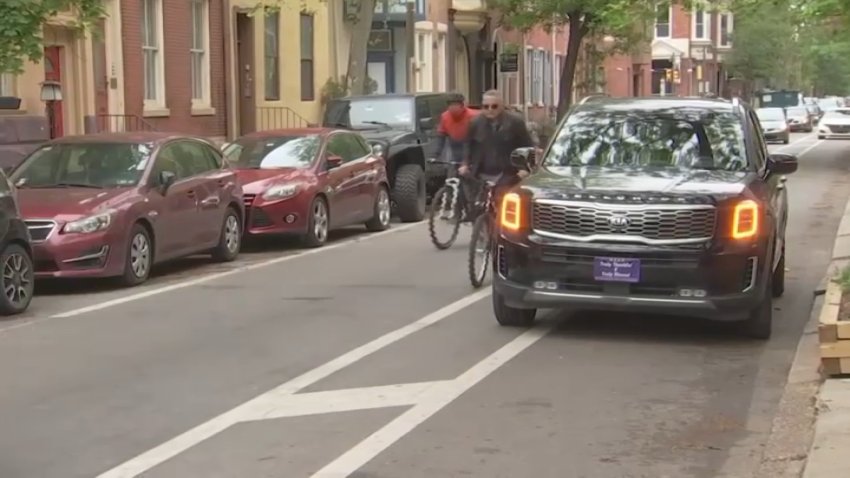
x=829, y=456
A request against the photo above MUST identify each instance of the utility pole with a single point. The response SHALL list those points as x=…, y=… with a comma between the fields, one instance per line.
x=410, y=29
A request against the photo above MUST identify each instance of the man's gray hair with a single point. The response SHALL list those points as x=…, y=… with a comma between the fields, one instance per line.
x=493, y=94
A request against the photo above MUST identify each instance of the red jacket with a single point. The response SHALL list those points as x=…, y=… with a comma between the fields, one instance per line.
x=456, y=127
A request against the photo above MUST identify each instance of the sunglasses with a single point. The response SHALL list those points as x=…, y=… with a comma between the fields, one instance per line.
x=490, y=107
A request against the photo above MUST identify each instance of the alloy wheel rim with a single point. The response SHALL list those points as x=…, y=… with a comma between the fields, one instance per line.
x=231, y=233
x=384, y=207
x=16, y=279
x=140, y=253
x=320, y=221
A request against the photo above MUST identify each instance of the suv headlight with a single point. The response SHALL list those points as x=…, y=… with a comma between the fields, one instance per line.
x=281, y=191
x=97, y=222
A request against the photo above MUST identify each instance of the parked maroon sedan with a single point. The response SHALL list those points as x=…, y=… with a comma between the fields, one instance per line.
x=310, y=181
x=115, y=205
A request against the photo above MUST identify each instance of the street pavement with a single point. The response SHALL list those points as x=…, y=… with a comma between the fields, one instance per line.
x=373, y=358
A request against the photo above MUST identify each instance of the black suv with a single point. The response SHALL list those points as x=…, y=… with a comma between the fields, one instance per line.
x=401, y=128
x=16, y=278
x=661, y=205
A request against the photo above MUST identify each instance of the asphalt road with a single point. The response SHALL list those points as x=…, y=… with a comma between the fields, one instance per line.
x=373, y=358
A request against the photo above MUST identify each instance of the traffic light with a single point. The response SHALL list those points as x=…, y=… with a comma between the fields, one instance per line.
x=668, y=74
x=676, y=76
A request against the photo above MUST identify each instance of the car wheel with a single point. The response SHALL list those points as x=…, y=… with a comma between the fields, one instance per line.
x=318, y=224
x=508, y=316
x=778, y=281
x=381, y=213
x=409, y=193
x=17, y=280
x=821, y=137
x=230, y=239
x=759, y=323
x=137, y=264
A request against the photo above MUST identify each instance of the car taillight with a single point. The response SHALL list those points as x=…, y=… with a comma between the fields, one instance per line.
x=745, y=219
x=511, y=212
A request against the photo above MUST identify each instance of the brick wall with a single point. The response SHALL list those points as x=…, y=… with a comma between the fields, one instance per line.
x=681, y=22
x=177, y=32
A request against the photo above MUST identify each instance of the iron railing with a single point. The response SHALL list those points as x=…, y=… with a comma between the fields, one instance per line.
x=279, y=117
x=107, y=123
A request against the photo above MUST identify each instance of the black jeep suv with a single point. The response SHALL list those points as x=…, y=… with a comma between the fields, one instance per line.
x=660, y=205
x=401, y=128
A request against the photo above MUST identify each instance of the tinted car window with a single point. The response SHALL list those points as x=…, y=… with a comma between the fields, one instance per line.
x=276, y=152
x=707, y=140
x=438, y=106
x=770, y=114
x=801, y=111
x=358, y=146
x=191, y=157
x=758, y=139
x=84, y=164
x=338, y=145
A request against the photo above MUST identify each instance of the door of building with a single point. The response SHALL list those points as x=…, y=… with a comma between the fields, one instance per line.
x=53, y=72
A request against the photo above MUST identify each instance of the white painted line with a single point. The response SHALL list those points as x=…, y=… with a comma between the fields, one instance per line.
x=373, y=445
x=813, y=146
x=250, y=409
x=207, y=278
x=798, y=140
x=346, y=400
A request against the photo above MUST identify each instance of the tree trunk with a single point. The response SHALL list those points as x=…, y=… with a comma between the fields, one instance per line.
x=576, y=34
x=362, y=26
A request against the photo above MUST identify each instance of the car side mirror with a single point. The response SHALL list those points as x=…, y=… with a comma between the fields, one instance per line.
x=524, y=158
x=780, y=163
x=333, y=161
x=165, y=180
x=426, y=124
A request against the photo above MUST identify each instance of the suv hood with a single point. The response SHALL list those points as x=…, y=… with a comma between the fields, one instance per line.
x=384, y=134
x=69, y=203
x=560, y=182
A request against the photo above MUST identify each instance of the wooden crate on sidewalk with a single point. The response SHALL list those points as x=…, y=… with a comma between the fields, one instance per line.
x=834, y=334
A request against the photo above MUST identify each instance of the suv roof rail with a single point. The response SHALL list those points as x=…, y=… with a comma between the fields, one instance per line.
x=590, y=97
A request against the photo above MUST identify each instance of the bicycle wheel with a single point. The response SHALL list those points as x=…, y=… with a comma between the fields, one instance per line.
x=479, y=250
x=445, y=214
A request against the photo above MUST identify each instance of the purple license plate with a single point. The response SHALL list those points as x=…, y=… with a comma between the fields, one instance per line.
x=616, y=269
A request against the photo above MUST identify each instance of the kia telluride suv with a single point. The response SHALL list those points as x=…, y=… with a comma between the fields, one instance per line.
x=662, y=205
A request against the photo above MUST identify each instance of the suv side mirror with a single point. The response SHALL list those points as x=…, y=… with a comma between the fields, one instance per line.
x=164, y=180
x=333, y=161
x=780, y=163
x=524, y=158
x=426, y=124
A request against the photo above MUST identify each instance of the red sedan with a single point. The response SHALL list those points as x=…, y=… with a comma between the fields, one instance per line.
x=309, y=181
x=115, y=205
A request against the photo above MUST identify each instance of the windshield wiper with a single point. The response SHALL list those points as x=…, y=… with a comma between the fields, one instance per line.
x=379, y=123
x=60, y=185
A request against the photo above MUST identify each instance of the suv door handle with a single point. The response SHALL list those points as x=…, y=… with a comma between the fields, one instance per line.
x=210, y=201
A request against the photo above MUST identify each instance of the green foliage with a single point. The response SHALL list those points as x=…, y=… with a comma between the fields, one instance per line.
x=21, y=24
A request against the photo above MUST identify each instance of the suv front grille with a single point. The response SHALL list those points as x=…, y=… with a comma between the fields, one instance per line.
x=650, y=224
x=39, y=229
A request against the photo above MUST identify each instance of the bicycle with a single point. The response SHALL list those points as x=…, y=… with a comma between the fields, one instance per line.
x=448, y=204
x=482, y=237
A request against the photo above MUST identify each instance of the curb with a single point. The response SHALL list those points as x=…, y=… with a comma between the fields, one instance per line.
x=792, y=432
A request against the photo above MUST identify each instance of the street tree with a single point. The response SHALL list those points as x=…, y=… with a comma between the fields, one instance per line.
x=21, y=24
x=625, y=20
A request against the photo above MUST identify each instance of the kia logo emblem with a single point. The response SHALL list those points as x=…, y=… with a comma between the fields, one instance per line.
x=618, y=220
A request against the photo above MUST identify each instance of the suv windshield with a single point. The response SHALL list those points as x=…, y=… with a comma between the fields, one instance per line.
x=367, y=112
x=650, y=141
x=96, y=165
x=276, y=152
x=770, y=114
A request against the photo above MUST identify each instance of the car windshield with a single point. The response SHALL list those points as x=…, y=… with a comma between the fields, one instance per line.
x=770, y=114
x=94, y=165
x=797, y=112
x=705, y=141
x=273, y=152
x=843, y=114
x=366, y=113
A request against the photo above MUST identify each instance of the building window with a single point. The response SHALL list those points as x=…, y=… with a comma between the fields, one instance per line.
x=527, y=74
x=441, y=61
x=538, y=77
x=271, y=63
x=547, y=78
x=199, y=54
x=308, y=90
x=153, y=65
x=724, y=33
x=700, y=26
x=7, y=84
x=662, y=22
x=559, y=67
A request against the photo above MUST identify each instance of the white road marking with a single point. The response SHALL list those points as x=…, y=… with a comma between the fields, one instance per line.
x=792, y=143
x=207, y=278
x=373, y=445
x=250, y=409
x=809, y=148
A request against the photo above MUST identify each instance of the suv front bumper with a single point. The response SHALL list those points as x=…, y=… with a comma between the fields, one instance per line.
x=717, y=283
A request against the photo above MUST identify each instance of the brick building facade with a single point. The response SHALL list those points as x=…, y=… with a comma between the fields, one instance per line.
x=174, y=65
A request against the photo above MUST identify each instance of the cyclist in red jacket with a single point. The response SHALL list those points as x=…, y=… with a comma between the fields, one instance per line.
x=453, y=129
